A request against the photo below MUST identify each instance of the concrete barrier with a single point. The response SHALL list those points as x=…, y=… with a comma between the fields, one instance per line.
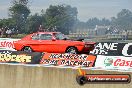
x=12, y=76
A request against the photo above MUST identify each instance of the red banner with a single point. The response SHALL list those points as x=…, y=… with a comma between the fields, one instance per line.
x=68, y=59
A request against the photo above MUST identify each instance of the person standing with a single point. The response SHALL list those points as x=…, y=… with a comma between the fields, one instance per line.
x=8, y=33
x=0, y=32
x=40, y=29
x=3, y=32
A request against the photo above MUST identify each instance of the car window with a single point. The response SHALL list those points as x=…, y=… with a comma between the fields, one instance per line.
x=45, y=37
x=60, y=36
x=35, y=37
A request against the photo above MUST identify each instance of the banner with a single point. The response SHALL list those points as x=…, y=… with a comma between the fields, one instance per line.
x=20, y=57
x=113, y=49
x=7, y=43
x=114, y=63
x=103, y=78
x=57, y=59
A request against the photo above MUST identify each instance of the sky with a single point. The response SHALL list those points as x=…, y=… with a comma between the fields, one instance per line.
x=86, y=8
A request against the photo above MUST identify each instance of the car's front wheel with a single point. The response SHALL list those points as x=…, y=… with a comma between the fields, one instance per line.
x=72, y=50
x=27, y=49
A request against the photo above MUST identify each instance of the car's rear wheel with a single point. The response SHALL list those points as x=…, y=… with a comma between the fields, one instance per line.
x=27, y=49
x=72, y=50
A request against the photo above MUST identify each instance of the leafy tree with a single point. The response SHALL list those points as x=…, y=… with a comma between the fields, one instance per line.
x=92, y=22
x=10, y=23
x=123, y=20
x=80, y=25
x=105, y=22
x=23, y=2
x=61, y=16
x=19, y=12
x=33, y=23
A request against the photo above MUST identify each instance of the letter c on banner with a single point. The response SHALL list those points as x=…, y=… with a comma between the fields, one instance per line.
x=117, y=62
x=125, y=49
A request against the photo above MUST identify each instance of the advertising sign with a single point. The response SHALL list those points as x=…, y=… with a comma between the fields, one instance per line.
x=114, y=62
x=103, y=78
x=7, y=44
x=113, y=49
x=20, y=57
x=104, y=48
x=84, y=78
x=68, y=59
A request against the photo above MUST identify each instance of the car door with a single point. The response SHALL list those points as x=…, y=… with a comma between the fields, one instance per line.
x=59, y=43
x=35, y=42
x=45, y=43
x=48, y=44
x=59, y=46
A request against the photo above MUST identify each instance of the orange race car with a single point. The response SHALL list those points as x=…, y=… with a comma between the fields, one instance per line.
x=52, y=42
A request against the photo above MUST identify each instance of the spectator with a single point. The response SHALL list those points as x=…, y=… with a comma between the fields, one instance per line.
x=17, y=32
x=40, y=29
x=0, y=32
x=126, y=35
x=13, y=31
x=8, y=33
x=3, y=31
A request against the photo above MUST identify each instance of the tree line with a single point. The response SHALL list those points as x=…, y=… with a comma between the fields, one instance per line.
x=61, y=18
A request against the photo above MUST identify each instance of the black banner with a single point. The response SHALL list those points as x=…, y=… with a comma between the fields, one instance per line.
x=113, y=49
x=103, y=78
x=20, y=57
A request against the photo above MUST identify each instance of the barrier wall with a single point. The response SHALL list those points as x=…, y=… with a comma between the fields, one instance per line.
x=13, y=76
x=93, y=62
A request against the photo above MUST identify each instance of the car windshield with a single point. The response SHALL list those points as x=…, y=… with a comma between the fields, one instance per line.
x=60, y=36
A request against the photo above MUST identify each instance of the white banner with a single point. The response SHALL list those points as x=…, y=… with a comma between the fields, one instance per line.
x=7, y=43
x=114, y=62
